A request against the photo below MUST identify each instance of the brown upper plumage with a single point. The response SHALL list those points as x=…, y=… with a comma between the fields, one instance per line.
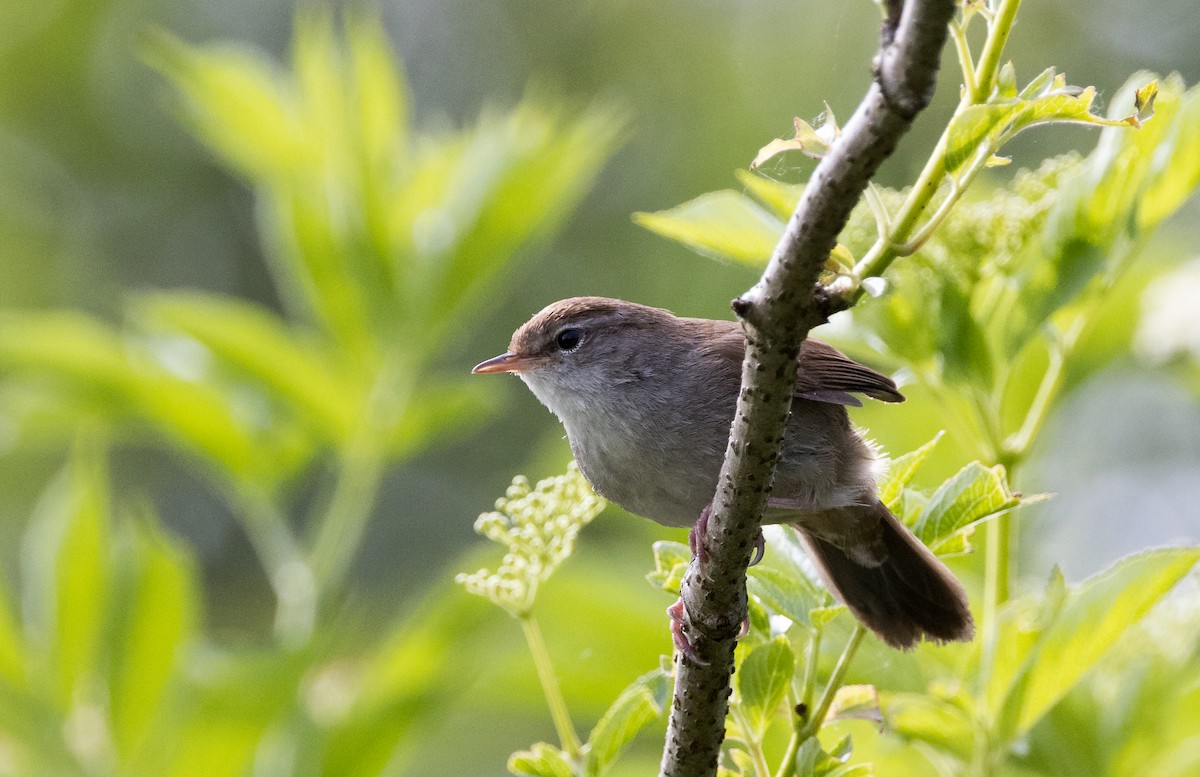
x=647, y=399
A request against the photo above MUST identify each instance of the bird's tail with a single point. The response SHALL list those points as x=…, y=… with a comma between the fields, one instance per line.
x=894, y=584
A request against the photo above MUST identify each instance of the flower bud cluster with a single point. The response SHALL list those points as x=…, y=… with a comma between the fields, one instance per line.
x=538, y=525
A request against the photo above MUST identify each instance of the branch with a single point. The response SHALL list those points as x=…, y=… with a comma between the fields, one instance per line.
x=776, y=315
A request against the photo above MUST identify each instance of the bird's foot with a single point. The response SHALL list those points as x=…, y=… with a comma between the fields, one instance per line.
x=678, y=613
x=679, y=634
x=743, y=630
x=760, y=548
x=700, y=530
x=683, y=640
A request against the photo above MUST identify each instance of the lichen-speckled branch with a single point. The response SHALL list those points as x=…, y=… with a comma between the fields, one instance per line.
x=777, y=314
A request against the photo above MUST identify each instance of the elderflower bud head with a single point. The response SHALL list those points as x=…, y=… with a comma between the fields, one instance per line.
x=538, y=525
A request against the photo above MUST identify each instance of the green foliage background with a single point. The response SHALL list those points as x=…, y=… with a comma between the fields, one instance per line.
x=239, y=451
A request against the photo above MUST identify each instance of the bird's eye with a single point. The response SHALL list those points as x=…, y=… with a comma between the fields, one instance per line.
x=568, y=339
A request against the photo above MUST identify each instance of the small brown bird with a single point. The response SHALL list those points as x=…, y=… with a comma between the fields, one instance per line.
x=647, y=399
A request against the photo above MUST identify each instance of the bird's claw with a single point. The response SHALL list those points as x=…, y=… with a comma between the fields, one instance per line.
x=743, y=630
x=760, y=548
x=679, y=635
x=683, y=641
x=700, y=530
x=678, y=613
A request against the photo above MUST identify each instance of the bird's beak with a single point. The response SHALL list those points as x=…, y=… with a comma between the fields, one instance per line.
x=505, y=362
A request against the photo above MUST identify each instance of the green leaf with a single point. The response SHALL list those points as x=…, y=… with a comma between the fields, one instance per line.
x=974, y=493
x=1094, y=220
x=12, y=652
x=812, y=761
x=1128, y=184
x=971, y=129
x=514, y=184
x=723, y=224
x=979, y=131
x=257, y=344
x=380, y=91
x=743, y=761
x=810, y=757
x=383, y=240
x=1173, y=173
x=439, y=409
x=760, y=621
x=823, y=616
x=763, y=682
x=928, y=718
x=542, y=760
x=965, y=350
x=856, y=702
x=66, y=571
x=87, y=359
x=783, y=593
x=780, y=197
x=234, y=101
x=851, y=770
x=789, y=556
x=221, y=716
x=246, y=441
x=671, y=560
x=74, y=348
x=1088, y=624
x=642, y=702
x=901, y=470
x=157, y=619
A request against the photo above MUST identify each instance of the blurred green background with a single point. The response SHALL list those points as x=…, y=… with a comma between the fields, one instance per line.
x=105, y=194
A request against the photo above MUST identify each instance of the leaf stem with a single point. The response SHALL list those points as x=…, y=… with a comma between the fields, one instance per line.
x=998, y=544
x=755, y=749
x=810, y=672
x=788, y=766
x=958, y=34
x=999, y=537
x=883, y=219
x=898, y=241
x=999, y=27
x=914, y=243
x=361, y=462
x=554, y=698
x=1017, y=445
x=811, y=724
x=340, y=530
x=817, y=716
x=884, y=251
x=290, y=576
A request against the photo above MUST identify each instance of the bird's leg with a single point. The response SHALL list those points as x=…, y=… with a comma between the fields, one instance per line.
x=679, y=635
x=677, y=611
x=681, y=638
x=700, y=530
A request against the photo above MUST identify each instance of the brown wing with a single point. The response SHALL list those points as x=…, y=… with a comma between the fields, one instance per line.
x=825, y=373
x=828, y=375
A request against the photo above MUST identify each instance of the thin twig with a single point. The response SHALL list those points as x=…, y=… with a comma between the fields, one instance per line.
x=776, y=316
x=787, y=767
x=816, y=717
x=554, y=698
x=993, y=49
